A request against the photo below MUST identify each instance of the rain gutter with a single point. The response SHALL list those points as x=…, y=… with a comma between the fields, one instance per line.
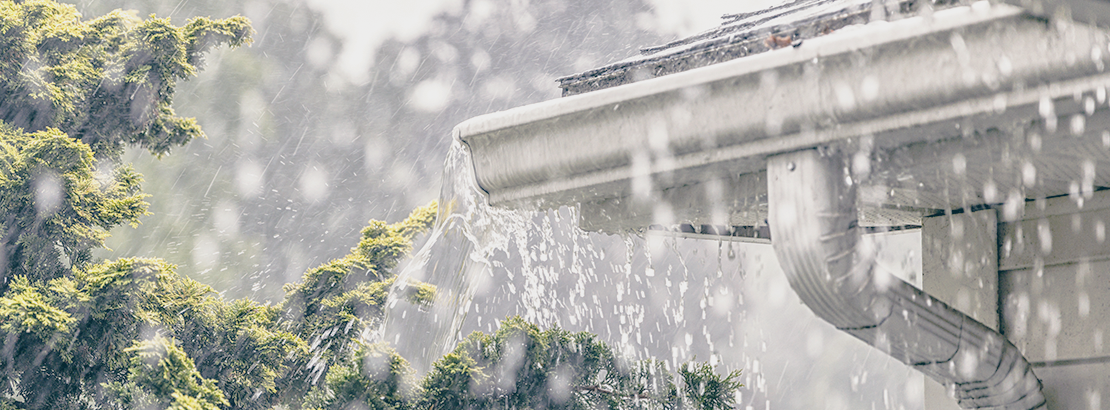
x=916, y=80
x=816, y=94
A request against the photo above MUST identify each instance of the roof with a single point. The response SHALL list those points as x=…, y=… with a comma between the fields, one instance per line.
x=745, y=34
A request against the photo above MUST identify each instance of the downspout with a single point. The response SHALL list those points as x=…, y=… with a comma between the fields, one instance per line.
x=813, y=223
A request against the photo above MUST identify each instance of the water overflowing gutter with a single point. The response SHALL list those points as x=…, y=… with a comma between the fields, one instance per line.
x=958, y=73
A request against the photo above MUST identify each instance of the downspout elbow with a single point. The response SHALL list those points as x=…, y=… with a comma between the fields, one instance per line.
x=814, y=223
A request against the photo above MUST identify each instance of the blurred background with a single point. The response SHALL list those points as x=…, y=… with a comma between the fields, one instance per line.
x=341, y=112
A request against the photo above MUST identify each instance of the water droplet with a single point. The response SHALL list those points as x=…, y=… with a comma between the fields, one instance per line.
x=959, y=164
x=1012, y=209
x=870, y=88
x=845, y=98
x=990, y=192
x=1005, y=67
x=1047, y=111
x=1078, y=124
x=1044, y=234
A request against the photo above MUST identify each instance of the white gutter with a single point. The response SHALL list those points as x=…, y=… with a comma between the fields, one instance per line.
x=732, y=115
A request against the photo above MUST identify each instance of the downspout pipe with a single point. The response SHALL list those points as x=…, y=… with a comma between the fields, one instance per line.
x=815, y=233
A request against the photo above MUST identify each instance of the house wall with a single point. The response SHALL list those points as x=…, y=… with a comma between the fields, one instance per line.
x=1054, y=289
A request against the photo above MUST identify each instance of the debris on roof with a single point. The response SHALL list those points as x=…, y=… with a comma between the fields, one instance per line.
x=745, y=34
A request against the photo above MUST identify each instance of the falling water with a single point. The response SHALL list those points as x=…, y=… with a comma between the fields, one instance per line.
x=451, y=259
x=663, y=297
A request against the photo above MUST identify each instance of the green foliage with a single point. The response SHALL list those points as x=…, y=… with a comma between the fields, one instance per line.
x=356, y=285
x=69, y=335
x=25, y=310
x=372, y=375
x=9, y=404
x=162, y=375
x=57, y=203
x=449, y=383
x=72, y=333
x=71, y=328
x=521, y=366
x=706, y=388
x=107, y=82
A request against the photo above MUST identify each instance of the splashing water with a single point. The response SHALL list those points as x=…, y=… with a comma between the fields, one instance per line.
x=450, y=260
x=668, y=298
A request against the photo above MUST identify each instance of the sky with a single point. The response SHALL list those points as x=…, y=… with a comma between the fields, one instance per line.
x=366, y=24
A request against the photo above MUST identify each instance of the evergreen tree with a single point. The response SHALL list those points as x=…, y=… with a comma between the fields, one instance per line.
x=81, y=333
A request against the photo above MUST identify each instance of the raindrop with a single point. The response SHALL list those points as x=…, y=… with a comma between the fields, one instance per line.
x=1044, y=234
x=1035, y=142
x=1005, y=67
x=314, y=183
x=959, y=164
x=990, y=192
x=431, y=96
x=225, y=218
x=861, y=165
x=1012, y=209
x=1000, y=103
x=249, y=178
x=960, y=47
x=320, y=52
x=1078, y=124
x=844, y=96
x=1048, y=112
x=48, y=193
x=969, y=363
x=641, y=175
x=870, y=88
